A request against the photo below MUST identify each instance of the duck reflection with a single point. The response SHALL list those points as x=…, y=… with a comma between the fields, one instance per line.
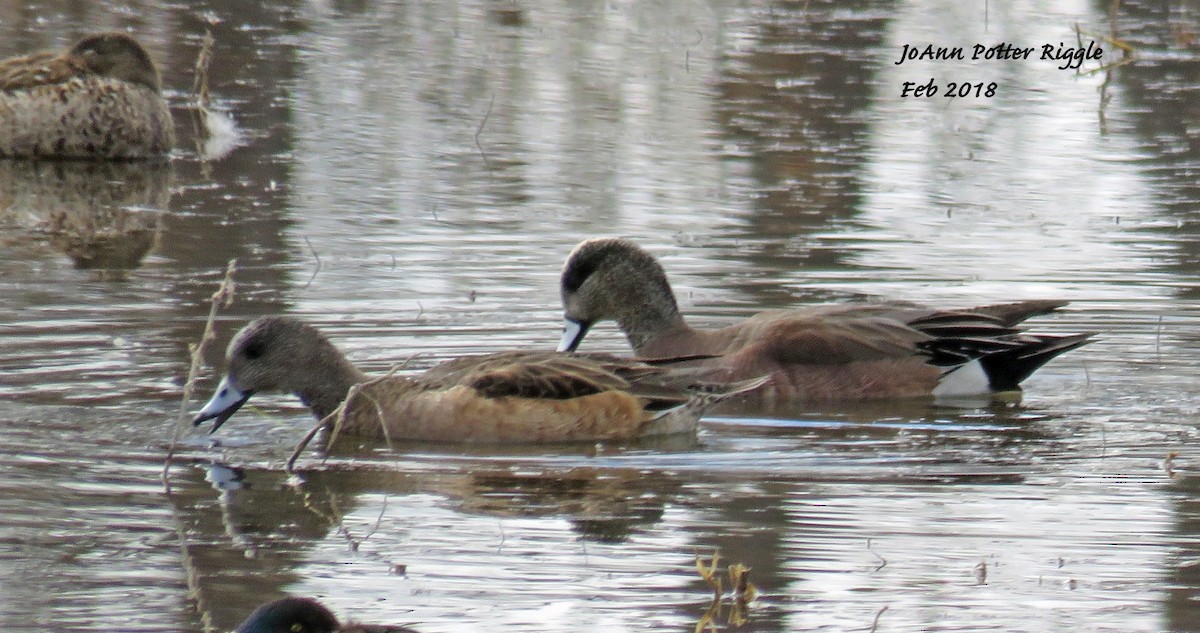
x=1182, y=600
x=105, y=216
x=251, y=538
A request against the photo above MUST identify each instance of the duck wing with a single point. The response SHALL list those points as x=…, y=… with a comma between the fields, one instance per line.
x=539, y=375
x=831, y=339
x=38, y=69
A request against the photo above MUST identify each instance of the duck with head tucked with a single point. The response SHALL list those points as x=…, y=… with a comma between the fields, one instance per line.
x=305, y=615
x=517, y=396
x=817, y=354
x=100, y=99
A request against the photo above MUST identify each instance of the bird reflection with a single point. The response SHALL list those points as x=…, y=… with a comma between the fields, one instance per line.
x=105, y=216
x=250, y=540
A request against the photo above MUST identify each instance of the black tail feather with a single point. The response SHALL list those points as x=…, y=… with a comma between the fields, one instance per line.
x=1007, y=368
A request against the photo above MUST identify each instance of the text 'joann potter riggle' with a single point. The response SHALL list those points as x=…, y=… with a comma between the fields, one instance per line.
x=1069, y=56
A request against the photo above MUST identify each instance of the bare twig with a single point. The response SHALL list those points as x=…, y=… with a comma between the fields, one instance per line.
x=882, y=561
x=203, y=61
x=482, y=123
x=337, y=418
x=200, y=97
x=378, y=519
x=316, y=257
x=222, y=297
x=878, y=614
x=1158, y=337
x=1168, y=464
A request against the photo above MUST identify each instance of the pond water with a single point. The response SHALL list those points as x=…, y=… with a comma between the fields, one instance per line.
x=410, y=177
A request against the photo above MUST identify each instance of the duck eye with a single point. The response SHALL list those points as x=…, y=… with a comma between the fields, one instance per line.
x=297, y=628
x=574, y=276
x=253, y=350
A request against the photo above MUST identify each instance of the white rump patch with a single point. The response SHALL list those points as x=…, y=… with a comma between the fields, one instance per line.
x=965, y=380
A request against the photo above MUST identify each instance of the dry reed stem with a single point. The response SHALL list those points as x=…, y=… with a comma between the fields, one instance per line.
x=337, y=418
x=316, y=257
x=222, y=297
x=487, y=115
x=878, y=614
x=203, y=61
x=743, y=593
x=882, y=561
x=200, y=129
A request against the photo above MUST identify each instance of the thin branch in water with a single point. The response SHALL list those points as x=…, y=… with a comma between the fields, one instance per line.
x=200, y=129
x=316, y=257
x=203, y=61
x=1158, y=337
x=882, y=561
x=223, y=297
x=479, y=131
x=878, y=614
x=337, y=418
x=378, y=519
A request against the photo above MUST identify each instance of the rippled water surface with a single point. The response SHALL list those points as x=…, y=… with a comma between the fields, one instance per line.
x=410, y=177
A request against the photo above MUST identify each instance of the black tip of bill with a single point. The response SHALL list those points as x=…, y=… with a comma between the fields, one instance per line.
x=223, y=404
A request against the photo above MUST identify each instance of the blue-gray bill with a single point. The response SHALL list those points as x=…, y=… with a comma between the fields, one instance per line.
x=222, y=405
x=573, y=333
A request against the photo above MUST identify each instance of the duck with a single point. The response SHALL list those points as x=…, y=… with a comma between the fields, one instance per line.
x=99, y=99
x=512, y=396
x=305, y=615
x=815, y=354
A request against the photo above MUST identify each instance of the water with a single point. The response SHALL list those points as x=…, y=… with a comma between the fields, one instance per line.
x=410, y=177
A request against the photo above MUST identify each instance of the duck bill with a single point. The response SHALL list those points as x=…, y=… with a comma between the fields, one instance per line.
x=573, y=333
x=222, y=405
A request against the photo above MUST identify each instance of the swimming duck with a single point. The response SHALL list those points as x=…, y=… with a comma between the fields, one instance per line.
x=819, y=353
x=100, y=99
x=305, y=615
x=517, y=396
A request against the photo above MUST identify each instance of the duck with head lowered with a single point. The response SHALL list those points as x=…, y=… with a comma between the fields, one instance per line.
x=837, y=352
x=99, y=99
x=515, y=396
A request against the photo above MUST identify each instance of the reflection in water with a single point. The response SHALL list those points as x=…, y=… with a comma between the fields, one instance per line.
x=1183, y=591
x=1163, y=87
x=101, y=214
x=793, y=98
x=250, y=539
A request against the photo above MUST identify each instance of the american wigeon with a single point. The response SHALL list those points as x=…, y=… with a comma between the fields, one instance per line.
x=519, y=396
x=820, y=353
x=100, y=99
x=305, y=615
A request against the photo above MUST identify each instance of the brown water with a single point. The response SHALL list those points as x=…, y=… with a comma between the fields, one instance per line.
x=410, y=176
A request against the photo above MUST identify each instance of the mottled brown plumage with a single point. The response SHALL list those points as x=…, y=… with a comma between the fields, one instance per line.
x=517, y=396
x=819, y=353
x=100, y=99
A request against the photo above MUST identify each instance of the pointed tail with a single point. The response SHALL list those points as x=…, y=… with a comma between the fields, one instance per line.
x=1006, y=369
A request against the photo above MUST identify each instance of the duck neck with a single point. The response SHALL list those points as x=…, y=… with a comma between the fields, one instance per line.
x=650, y=316
x=324, y=395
